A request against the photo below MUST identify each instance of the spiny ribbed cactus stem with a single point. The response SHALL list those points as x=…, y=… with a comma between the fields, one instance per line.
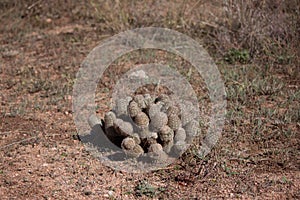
x=145, y=123
x=94, y=120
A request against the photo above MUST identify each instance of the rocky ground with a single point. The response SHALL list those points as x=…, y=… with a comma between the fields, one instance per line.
x=42, y=46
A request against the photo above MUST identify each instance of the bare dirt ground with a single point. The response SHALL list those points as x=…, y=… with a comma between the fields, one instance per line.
x=42, y=46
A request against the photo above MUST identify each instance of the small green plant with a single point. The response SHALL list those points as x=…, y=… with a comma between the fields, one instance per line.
x=237, y=56
x=284, y=180
x=63, y=154
x=144, y=188
x=228, y=170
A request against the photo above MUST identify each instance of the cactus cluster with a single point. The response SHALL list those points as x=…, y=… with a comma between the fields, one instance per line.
x=148, y=125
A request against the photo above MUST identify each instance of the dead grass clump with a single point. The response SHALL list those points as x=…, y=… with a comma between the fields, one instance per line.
x=268, y=29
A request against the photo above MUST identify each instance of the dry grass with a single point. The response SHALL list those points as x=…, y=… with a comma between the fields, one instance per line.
x=255, y=45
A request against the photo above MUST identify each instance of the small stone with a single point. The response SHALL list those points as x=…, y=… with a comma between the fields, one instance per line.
x=141, y=120
x=110, y=193
x=159, y=120
x=11, y=53
x=48, y=20
x=174, y=122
